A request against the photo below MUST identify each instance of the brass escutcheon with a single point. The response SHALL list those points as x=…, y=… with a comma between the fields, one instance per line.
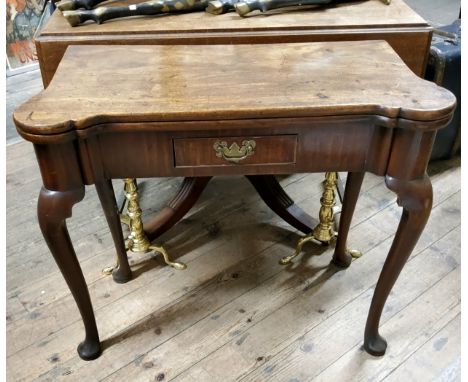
x=234, y=153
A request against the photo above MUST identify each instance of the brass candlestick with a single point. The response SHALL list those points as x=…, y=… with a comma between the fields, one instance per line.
x=137, y=241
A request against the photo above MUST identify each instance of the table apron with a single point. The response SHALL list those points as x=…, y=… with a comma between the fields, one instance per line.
x=304, y=147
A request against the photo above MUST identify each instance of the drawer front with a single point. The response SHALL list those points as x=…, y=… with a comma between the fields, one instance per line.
x=235, y=151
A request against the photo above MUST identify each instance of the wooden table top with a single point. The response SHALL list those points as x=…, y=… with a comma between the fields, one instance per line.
x=354, y=15
x=104, y=84
x=404, y=29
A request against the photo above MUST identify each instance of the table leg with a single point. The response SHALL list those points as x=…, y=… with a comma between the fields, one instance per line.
x=175, y=210
x=342, y=256
x=416, y=199
x=52, y=210
x=267, y=187
x=279, y=201
x=186, y=197
x=121, y=273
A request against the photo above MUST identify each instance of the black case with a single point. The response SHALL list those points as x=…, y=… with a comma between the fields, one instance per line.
x=444, y=68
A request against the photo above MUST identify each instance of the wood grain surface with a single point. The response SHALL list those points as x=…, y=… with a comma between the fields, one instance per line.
x=97, y=84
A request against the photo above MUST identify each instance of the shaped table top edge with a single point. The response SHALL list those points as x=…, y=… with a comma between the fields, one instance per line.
x=294, y=67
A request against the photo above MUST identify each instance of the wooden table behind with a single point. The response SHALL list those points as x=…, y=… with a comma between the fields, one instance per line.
x=407, y=32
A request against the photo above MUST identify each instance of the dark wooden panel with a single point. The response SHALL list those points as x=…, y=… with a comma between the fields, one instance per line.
x=323, y=144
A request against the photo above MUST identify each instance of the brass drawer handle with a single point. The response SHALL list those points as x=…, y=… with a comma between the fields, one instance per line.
x=234, y=153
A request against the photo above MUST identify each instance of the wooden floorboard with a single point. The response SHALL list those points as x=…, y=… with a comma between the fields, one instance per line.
x=438, y=359
x=235, y=313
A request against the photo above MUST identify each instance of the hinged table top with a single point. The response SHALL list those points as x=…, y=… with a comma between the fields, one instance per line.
x=107, y=84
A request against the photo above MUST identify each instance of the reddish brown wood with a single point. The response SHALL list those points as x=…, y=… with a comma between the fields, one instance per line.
x=175, y=210
x=105, y=191
x=318, y=137
x=415, y=196
x=408, y=33
x=279, y=201
x=52, y=209
x=397, y=24
x=341, y=257
x=266, y=185
x=387, y=130
x=184, y=94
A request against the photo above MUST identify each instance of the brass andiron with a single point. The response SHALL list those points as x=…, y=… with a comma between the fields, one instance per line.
x=355, y=254
x=287, y=259
x=137, y=240
x=324, y=232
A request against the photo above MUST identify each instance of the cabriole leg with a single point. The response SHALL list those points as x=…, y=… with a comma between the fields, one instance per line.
x=342, y=256
x=121, y=273
x=415, y=197
x=53, y=208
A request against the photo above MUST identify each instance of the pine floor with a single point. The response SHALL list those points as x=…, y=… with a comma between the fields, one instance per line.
x=235, y=313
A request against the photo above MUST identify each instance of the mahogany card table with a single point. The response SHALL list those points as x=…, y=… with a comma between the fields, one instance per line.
x=407, y=33
x=161, y=111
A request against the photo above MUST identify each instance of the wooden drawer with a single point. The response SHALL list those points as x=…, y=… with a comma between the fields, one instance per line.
x=235, y=151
